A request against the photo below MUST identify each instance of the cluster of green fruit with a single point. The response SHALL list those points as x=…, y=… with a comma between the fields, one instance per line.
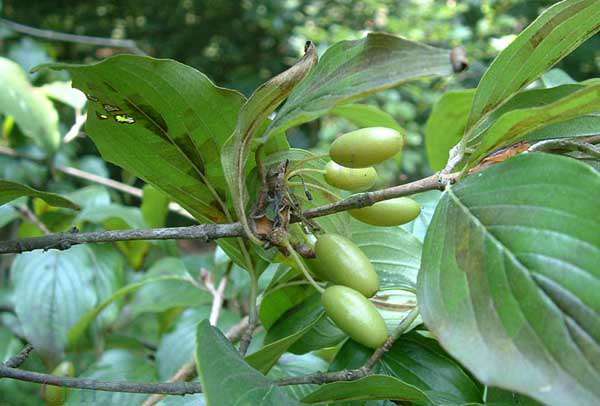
x=340, y=261
x=353, y=155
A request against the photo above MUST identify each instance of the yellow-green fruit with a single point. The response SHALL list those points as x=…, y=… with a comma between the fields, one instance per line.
x=340, y=261
x=56, y=395
x=349, y=178
x=365, y=147
x=355, y=315
x=387, y=213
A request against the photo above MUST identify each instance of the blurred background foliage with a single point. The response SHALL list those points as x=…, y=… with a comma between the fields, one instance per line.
x=240, y=44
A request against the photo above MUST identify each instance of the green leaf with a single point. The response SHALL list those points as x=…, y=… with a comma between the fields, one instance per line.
x=111, y=277
x=552, y=36
x=501, y=397
x=155, y=207
x=12, y=190
x=428, y=201
x=252, y=115
x=16, y=392
x=280, y=299
x=164, y=122
x=9, y=345
x=55, y=290
x=526, y=99
x=78, y=329
x=446, y=125
x=115, y=365
x=264, y=359
x=415, y=360
x=510, y=276
x=420, y=361
x=364, y=115
x=394, y=252
x=323, y=334
x=227, y=379
x=32, y=111
x=514, y=125
x=370, y=388
x=177, y=347
x=8, y=214
x=351, y=70
x=180, y=291
x=196, y=399
x=577, y=127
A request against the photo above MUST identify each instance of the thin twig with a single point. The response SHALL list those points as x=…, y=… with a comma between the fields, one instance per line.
x=217, y=303
x=78, y=173
x=63, y=241
x=20, y=358
x=208, y=232
x=401, y=329
x=302, y=267
x=320, y=378
x=29, y=215
x=358, y=200
x=183, y=388
x=65, y=37
x=247, y=336
x=167, y=388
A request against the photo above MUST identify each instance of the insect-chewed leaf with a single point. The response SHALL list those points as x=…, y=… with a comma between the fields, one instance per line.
x=163, y=121
x=166, y=123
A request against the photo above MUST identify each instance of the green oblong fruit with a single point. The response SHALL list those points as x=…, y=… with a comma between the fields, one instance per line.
x=341, y=262
x=352, y=179
x=366, y=147
x=56, y=395
x=355, y=315
x=387, y=213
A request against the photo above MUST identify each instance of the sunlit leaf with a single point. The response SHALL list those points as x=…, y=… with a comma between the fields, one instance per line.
x=32, y=111
x=514, y=125
x=552, y=36
x=446, y=125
